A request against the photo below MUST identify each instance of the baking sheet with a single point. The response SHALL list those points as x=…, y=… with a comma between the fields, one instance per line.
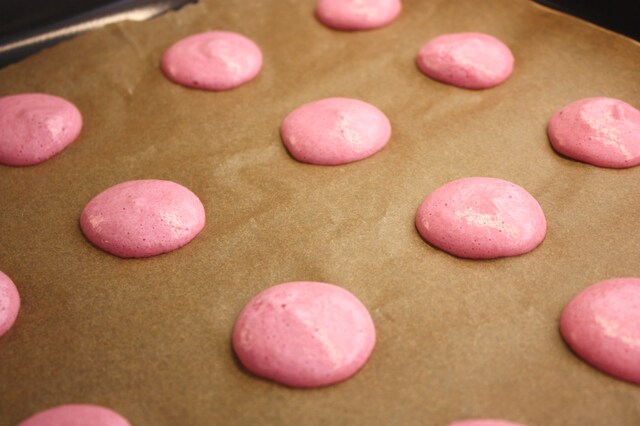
x=457, y=338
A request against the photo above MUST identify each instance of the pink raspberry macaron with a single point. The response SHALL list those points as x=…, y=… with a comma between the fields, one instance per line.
x=357, y=14
x=335, y=131
x=304, y=334
x=484, y=422
x=76, y=415
x=9, y=303
x=212, y=60
x=35, y=126
x=481, y=218
x=467, y=60
x=602, y=326
x=601, y=131
x=142, y=218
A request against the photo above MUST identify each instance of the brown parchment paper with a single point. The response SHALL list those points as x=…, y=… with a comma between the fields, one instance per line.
x=457, y=339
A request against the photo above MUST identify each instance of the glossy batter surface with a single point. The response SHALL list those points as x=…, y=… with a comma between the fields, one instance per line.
x=76, y=415
x=335, y=131
x=601, y=131
x=9, y=303
x=35, y=126
x=602, y=326
x=481, y=218
x=213, y=60
x=143, y=218
x=468, y=60
x=357, y=14
x=304, y=334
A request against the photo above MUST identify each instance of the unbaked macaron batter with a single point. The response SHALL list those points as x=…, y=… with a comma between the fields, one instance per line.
x=9, y=303
x=481, y=218
x=602, y=326
x=142, y=218
x=335, y=131
x=304, y=334
x=35, y=126
x=601, y=131
x=357, y=14
x=213, y=60
x=468, y=60
x=76, y=415
x=484, y=422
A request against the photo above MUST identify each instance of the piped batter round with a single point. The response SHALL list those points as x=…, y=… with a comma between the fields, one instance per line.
x=34, y=127
x=335, y=131
x=9, y=303
x=468, y=60
x=304, y=334
x=481, y=218
x=357, y=14
x=601, y=131
x=213, y=60
x=76, y=415
x=602, y=326
x=143, y=218
x=484, y=422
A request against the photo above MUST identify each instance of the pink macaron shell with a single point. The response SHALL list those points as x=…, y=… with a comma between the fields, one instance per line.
x=481, y=218
x=602, y=326
x=601, y=131
x=9, y=303
x=467, y=60
x=76, y=415
x=213, y=60
x=35, y=126
x=143, y=218
x=304, y=334
x=357, y=14
x=484, y=422
x=335, y=131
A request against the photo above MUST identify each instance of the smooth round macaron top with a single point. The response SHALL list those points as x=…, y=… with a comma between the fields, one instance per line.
x=9, y=303
x=357, y=14
x=76, y=415
x=304, y=334
x=601, y=131
x=213, y=60
x=481, y=218
x=484, y=422
x=468, y=60
x=335, y=131
x=602, y=326
x=35, y=126
x=143, y=218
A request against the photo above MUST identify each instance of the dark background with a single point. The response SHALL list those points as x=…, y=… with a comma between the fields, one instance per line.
x=17, y=16
x=622, y=16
